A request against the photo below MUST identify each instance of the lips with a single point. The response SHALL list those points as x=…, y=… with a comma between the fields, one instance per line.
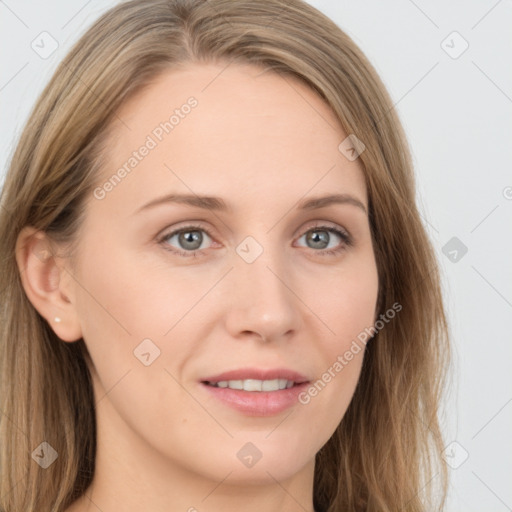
x=256, y=392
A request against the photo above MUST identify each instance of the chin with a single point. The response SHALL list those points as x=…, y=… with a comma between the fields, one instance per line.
x=259, y=463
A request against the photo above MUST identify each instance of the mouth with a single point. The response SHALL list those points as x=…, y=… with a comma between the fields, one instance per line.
x=257, y=392
x=254, y=385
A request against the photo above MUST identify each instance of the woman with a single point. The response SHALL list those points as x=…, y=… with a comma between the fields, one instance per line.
x=217, y=290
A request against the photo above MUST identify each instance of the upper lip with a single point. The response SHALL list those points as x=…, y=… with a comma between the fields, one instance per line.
x=258, y=374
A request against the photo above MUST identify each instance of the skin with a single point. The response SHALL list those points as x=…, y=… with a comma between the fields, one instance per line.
x=262, y=143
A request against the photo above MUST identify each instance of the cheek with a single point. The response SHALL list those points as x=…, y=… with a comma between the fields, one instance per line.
x=349, y=299
x=125, y=314
x=327, y=398
x=130, y=307
x=347, y=308
x=114, y=306
x=130, y=297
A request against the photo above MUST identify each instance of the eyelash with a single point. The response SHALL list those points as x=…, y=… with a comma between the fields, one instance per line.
x=346, y=238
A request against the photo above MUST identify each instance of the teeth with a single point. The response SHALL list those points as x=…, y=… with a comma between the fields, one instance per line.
x=255, y=384
x=236, y=384
x=252, y=385
x=283, y=383
x=270, y=385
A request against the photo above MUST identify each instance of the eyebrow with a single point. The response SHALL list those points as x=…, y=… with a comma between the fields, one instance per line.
x=218, y=204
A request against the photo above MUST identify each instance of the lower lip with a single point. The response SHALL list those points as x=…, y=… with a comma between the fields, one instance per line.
x=258, y=403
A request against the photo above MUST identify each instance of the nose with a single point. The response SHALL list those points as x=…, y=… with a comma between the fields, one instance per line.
x=263, y=304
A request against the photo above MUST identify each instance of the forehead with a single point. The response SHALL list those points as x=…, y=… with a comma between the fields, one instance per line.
x=235, y=130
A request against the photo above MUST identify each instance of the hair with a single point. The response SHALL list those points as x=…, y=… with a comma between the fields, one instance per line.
x=386, y=453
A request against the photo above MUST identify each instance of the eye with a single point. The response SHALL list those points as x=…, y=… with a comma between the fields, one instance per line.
x=319, y=237
x=189, y=238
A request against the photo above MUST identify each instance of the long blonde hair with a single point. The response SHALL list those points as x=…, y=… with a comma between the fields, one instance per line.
x=388, y=446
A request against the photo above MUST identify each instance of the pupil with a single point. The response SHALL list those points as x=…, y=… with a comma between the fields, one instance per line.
x=190, y=237
x=321, y=237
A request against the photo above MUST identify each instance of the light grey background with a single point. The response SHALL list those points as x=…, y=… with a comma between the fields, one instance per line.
x=457, y=113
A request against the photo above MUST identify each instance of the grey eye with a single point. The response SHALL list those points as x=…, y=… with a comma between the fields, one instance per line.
x=188, y=239
x=320, y=237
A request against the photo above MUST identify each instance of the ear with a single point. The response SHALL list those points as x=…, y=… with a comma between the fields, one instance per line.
x=47, y=283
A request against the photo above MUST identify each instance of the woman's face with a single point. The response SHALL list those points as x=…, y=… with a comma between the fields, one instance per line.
x=253, y=284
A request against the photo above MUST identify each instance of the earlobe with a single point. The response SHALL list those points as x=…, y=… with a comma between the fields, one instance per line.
x=44, y=280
